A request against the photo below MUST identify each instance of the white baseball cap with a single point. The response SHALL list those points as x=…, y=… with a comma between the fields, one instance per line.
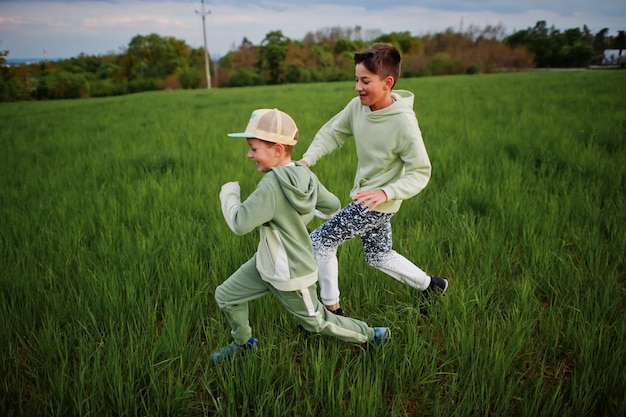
x=271, y=125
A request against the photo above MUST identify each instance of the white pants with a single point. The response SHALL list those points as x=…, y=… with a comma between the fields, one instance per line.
x=374, y=229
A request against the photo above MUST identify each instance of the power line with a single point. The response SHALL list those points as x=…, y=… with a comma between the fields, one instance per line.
x=206, y=51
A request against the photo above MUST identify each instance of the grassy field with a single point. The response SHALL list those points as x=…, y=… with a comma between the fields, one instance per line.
x=112, y=243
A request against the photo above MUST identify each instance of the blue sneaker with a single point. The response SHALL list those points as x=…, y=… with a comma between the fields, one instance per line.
x=381, y=336
x=228, y=352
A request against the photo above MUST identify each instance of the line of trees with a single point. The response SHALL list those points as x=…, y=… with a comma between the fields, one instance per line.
x=153, y=62
x=571, y=48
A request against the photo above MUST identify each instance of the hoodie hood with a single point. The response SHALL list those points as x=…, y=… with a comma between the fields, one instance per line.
x=403, y=104
x=298, y=185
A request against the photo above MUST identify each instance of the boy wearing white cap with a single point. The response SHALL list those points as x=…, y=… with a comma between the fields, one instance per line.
x=285, y=200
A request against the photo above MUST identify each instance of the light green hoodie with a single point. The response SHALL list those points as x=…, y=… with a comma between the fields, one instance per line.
x=283, y=203
x=389, y=146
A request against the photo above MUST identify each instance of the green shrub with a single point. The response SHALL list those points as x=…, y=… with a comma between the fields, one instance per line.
x=243, y=78
x=60, y=84
x=473, y=69
x=443, y=64
x=189, y=77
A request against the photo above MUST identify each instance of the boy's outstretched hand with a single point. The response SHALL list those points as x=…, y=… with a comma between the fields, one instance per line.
x=370, y=199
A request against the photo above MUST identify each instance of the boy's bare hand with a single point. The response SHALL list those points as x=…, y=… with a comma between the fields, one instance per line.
x=370, y=199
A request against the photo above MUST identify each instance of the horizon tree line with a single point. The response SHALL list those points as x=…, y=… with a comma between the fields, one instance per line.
x=154, y=62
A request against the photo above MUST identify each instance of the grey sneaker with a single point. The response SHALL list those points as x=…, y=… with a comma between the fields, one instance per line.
x=228, y=352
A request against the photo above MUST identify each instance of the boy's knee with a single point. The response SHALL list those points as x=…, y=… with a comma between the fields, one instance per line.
x=310, y=326
x=322, y=247
x=220, y=298
x=373, y=259
x=316, y=239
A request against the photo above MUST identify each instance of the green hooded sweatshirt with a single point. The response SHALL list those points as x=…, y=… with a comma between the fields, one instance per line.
x=389, y=147
x=284, y=202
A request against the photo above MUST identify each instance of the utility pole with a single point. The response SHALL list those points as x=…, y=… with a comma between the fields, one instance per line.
x=206, y=51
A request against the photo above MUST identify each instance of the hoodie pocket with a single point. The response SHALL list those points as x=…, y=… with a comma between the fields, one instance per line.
x=272, y=260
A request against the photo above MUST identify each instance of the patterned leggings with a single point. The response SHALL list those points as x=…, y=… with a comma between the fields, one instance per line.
x=374, y=229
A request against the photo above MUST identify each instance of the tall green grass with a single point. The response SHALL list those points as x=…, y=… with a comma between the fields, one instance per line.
x=112, y=243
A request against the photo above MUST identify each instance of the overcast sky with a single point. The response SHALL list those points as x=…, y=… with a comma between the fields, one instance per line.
x=65, y=29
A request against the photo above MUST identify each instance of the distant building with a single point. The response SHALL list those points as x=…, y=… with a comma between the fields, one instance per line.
x=611, y=56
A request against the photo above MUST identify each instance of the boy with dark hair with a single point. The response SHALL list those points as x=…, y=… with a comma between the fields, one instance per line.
x=381, y=59
x=393, y=166
x=282, y=204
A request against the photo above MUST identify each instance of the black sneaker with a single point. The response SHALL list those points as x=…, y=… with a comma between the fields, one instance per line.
x=338, y=312
x=437, y=286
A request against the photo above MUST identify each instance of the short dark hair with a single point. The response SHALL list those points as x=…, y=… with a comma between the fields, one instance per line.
x=380, y=58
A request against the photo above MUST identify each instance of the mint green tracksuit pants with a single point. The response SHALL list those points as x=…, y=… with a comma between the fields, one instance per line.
x=246, y=284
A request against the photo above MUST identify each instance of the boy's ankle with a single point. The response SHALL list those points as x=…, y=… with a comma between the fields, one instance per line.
x=332, y=307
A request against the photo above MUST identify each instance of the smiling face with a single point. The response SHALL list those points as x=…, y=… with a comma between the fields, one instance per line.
x=373, y=91
x=263, y=153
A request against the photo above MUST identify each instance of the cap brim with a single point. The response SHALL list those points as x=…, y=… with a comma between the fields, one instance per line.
x=240, y=135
